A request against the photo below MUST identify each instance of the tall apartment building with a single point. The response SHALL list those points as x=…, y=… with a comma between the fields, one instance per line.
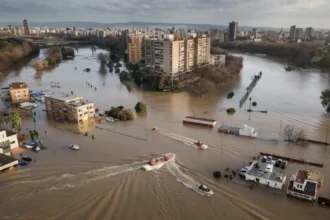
x=309, y=33
x=177, y=56
x=134, y=49
x=19, y=92
x=233, y=30
x=299, y=33
x=26, y=27
x=189, y=47
x=292, y=32
x=202, y=50
x=174, y=56
x=69, y=108
x=154, y=54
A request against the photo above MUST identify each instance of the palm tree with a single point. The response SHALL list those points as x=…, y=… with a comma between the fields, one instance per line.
x=16, y=121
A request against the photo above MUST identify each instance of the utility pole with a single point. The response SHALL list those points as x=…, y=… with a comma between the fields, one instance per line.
x=250, y=108
x=221, y=135
x=326, y=137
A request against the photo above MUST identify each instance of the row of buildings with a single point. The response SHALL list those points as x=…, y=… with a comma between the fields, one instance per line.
x=299, y=34
x=304, y=184
x=60, y=107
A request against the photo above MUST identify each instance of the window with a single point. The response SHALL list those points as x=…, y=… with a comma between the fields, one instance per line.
x=12, y=142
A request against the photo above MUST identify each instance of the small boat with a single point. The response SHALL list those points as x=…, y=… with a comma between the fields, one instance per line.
x=288, y=68
x=201, y=145
x=158, y=162
x=28, y=146
x=74, y=147
x=36, y=149
x=109, y=119
x=22, y=163
x=204, y=189
x=26, y=158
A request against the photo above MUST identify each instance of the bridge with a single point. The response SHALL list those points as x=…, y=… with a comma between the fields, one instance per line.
x=59, y=43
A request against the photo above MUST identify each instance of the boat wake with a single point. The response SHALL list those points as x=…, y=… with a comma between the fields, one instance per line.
x=185, y=140
x=85, y=177
x=183, y=178
x=65, y=181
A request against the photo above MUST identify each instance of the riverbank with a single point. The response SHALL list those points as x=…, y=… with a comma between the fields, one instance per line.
x=13, y=50
x=216, y=77
x=300, y=55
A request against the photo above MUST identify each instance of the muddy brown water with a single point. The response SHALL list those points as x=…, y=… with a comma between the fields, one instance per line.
x=104, y=179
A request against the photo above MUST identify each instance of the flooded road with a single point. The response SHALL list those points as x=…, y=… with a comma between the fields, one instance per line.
x=104, y=180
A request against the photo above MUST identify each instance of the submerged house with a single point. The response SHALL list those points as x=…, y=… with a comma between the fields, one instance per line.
x=69, y=108
x=265, y=173
x=8, y=141
x=304, y=184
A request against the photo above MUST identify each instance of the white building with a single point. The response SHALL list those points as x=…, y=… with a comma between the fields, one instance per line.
x=304, y=184
x=247, y=131
x=8, y=141
x=264, y=173
x=216, y=59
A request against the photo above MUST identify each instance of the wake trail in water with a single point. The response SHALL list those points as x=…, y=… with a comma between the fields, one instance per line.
x=183, y=178
x=185, y=140
x=70, y=180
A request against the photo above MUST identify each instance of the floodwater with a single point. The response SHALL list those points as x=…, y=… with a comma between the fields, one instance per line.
x=104, y=179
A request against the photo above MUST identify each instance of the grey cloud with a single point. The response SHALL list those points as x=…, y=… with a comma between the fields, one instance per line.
x=247, y=12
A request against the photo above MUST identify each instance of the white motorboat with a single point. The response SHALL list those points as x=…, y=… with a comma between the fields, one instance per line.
x=109, y=119
x=157, y=163
x=27, y=146
x=74, y=147
x=205, y=190
x=201, y=145
x=36, y=149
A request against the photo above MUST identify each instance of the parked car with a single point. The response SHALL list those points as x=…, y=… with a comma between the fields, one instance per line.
x=26, y=158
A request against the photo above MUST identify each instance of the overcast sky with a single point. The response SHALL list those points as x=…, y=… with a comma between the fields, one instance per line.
x=270, y=13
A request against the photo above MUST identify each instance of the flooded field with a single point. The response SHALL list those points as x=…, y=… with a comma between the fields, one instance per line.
x=104, y=180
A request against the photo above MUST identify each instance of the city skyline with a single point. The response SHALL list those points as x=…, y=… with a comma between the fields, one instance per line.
x=270, y=13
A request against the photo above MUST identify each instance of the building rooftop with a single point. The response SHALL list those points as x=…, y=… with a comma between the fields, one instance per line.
x=71, y=100
x=10, y=133
x=4, y=159
x=64, y=98
x=18, y=85
x=259, y=169
x=303, y=175
x=78, y=103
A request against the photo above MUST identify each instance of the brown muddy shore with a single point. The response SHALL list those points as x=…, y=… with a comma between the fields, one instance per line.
x=14, y=51
x=104, y=180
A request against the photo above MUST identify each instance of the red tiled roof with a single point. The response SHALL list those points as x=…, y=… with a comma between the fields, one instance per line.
x=18, y=85
x=301, y=176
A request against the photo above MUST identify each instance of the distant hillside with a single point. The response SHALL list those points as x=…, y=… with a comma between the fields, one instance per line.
x=12, y=50
x=128, y=25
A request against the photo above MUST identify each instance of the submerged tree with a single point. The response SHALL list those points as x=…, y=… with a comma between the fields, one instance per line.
x=11, y=121
x=325, y=97
x=291, y=135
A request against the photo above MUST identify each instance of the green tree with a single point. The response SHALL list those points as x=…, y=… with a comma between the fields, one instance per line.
x=140, y=107
x=325, y=97
x=15, y=121
x=11, y=121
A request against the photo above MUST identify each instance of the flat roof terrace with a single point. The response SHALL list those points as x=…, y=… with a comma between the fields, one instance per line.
x=262, y=173
x=63, y=98
x=78, y=103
